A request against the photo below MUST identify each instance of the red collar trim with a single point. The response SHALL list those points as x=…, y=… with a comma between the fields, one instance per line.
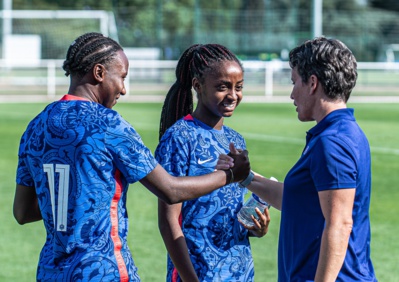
x=188, y=117
x=69, y=97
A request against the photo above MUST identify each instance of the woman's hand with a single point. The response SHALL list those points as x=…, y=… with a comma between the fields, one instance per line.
x=261, y=226
x=226, y=161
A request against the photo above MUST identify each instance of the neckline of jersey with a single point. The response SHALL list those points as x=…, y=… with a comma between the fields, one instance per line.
x=69, y=97
x=189, y=117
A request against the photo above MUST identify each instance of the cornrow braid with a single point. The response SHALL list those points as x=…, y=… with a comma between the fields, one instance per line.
x=194, y=62
x=87, y=50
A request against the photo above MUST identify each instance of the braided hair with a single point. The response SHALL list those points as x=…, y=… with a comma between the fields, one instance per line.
x=194, y=62
x=87, y=50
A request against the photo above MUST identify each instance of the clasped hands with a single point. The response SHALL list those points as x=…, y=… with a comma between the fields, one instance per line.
x=238, y=161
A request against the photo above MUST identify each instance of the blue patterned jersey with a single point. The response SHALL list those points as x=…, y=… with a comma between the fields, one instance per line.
x=81, y=157
x=218, y=245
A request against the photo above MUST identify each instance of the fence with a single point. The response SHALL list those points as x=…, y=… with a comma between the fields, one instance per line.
x=148, y=81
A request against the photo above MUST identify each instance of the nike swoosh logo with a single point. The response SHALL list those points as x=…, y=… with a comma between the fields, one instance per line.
x=204, y=161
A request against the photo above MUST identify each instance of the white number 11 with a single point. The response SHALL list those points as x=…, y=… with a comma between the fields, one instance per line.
x=62, y=203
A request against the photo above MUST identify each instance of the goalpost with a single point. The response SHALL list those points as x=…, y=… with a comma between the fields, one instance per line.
x=56, y=29
x=34, y=44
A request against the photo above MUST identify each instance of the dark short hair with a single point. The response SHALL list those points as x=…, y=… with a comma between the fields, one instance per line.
x=87, y=50
x=331, y=61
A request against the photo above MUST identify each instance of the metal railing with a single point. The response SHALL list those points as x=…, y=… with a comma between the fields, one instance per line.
x=150, y=80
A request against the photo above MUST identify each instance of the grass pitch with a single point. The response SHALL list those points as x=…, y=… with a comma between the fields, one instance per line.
x=275, y=139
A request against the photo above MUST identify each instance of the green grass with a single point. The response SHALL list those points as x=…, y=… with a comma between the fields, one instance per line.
x=275, y=139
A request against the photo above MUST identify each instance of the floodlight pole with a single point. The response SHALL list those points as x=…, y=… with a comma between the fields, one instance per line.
x=317, y=28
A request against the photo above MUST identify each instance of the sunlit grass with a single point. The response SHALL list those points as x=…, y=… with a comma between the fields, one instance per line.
x=275, y=139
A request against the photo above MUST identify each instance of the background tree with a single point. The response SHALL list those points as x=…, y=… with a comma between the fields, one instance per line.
x=251, y=28
x=390, y=5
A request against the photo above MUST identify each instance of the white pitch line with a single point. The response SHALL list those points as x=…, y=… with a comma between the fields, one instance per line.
x=383, y=150
x=299, y=141
x=273, y=138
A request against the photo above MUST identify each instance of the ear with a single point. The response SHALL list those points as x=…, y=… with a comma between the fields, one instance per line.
x=99, y=72
x=196, y=85
x=313, y=83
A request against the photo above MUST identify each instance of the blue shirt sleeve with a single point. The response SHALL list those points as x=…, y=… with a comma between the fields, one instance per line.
x=333, y=165
x=23, y=175
x=131, y=156
x=173, y=154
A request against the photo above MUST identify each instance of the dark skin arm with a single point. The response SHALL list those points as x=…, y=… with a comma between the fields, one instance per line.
x=26, y=207
x=174, y=190
x=168, y=188
x=175, y=242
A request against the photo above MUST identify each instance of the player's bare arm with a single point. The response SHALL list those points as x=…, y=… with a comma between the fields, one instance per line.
x=337, y=206
x=26, y=207
x=175, y=242
x=173, y=190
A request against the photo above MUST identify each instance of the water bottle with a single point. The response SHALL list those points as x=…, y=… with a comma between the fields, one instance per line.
x=248, y=209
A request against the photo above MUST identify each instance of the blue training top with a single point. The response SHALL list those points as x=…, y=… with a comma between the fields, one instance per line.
x=218, y=245
x=336, y=156
x=80, y=157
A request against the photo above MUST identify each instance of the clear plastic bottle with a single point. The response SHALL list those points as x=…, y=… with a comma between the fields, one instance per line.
x=248, y=209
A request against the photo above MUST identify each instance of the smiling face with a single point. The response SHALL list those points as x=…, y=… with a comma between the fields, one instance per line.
x=113, y=84
x=219, y=92
x=301, y=94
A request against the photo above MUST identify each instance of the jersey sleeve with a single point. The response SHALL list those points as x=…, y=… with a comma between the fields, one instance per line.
x=131, y=156
x=173, y=153
x=333, y=165
x=23, y=176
